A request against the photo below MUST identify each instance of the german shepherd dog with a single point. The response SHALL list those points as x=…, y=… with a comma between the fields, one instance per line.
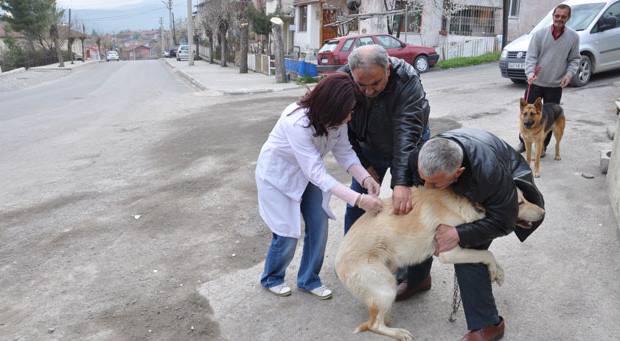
x=536, y=120
x=376, y=246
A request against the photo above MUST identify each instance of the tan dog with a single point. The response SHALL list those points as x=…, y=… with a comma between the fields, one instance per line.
x=377, y=245
x=536, y=120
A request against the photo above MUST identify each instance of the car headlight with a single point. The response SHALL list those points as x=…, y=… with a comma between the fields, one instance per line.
x=504, y=54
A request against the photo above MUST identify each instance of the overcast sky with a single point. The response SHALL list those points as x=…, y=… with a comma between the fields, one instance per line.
x=100, y=4
x=117, y=15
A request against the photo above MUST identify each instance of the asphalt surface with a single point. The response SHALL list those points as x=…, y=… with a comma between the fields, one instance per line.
x=129, y=213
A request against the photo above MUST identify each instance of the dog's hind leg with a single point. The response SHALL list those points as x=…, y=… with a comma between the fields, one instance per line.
x=459, y=255
x=558, y=132
x=376, y=287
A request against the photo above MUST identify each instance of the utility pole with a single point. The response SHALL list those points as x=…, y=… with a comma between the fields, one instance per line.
x=190, y=32
x=168, y=4
x=69, y=41
x=161, y=35
x=82, y=39
x=505, y=12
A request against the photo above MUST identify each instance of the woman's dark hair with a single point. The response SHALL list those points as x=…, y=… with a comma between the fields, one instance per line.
x=331, y=101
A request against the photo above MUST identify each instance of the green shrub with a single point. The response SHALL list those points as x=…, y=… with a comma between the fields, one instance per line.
x=306, y=80
x=468, y=61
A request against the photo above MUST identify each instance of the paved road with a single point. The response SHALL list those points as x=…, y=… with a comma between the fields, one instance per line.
x=129, y=213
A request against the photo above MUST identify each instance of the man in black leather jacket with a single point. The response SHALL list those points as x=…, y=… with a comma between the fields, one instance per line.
x=385, y=130
x=486, y=170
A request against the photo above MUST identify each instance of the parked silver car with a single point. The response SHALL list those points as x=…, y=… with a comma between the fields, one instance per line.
x=183, y=52
x=112, y=55
x=597, y=23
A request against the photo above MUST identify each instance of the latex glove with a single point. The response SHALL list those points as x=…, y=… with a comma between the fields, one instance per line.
x=401, y=199
x=370, y=204
x=372, y=186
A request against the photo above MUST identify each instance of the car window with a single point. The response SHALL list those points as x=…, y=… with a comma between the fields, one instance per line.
x=581, y=17
x=347, y=45
x=389, y=42
x=330, y=46
x=613, y=12
x=364, y=41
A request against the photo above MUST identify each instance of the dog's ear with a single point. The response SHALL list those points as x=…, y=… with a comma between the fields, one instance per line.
x=523, y=103
x=538, y=103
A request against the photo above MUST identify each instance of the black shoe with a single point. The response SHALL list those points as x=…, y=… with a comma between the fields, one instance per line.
x=403, y=291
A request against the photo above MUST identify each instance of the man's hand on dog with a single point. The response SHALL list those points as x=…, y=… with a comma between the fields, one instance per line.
x=446, y=238
x=401, y=199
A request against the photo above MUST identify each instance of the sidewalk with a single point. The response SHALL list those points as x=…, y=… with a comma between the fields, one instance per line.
x=227, y=80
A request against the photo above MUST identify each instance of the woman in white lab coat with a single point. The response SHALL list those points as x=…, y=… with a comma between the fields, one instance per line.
x=292, y=181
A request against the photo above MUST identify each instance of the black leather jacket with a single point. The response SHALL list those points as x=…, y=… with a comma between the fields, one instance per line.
x=493, y=170
x=392, y=123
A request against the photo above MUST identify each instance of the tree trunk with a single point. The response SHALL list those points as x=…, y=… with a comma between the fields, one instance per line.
x=83, y=52
x=279, y=53
x=223, y=48
x=243, y=59
x=211, y=48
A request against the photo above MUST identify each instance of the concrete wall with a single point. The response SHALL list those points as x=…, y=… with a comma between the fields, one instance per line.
x=613, y=176
x=309, y=41
x=530, y=13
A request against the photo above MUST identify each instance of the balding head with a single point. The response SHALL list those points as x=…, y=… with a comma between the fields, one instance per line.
x=367, y=56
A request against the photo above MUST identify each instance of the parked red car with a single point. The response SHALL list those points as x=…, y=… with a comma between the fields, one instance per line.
x=335, y=52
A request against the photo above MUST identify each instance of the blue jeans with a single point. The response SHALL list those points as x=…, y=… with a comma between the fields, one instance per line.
x=282, y=248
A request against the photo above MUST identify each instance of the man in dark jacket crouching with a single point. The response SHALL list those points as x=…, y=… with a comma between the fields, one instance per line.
x=486, y=170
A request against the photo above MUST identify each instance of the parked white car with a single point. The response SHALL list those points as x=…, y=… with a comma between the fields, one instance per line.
x=183, y=52
x=112, y=55
x=597, y=23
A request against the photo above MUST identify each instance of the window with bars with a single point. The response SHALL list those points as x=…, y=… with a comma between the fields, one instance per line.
x=303, y=18
x=470, y=21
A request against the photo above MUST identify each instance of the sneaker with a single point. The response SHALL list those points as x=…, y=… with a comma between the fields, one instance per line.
x=321, y=292
x=280, y=290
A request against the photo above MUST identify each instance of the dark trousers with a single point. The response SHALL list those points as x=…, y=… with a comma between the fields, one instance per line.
x=476, y=291
x=548, y=95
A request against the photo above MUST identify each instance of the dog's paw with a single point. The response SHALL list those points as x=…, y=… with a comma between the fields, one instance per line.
x=497, y=273
x=537, y=174
x=402, y=334
x=557, y=158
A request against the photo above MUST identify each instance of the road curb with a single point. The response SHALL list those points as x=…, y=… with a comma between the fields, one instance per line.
x=202, y=87
x=185, y=75
x=14, y=71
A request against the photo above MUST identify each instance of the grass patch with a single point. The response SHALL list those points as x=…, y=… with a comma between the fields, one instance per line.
x=468, y=61
x=306, y=80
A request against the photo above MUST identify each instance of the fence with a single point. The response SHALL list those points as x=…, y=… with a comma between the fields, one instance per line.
x=465, y=46
x=260, y=63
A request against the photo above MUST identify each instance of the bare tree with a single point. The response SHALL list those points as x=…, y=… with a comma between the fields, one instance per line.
x=217, y=16
x=240, y=14
x=54, y=35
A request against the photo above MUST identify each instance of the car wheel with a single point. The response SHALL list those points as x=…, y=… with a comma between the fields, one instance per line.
x=420, y=63
x=178, y=59
x=517, y=81
x=583, y=75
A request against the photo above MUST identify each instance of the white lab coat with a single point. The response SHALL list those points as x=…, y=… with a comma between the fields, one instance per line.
x=292, y=157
